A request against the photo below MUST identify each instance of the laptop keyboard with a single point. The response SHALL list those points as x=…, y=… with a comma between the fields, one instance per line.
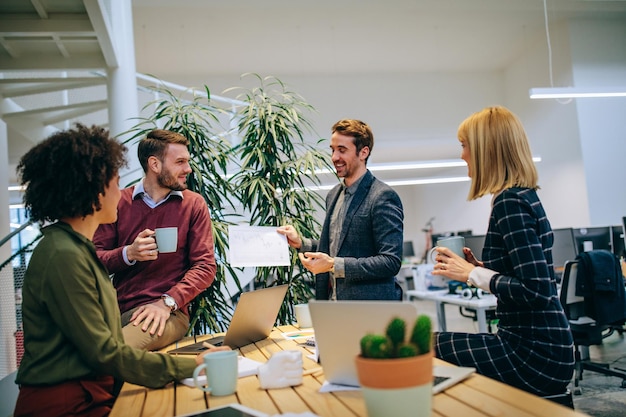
x=215, y=341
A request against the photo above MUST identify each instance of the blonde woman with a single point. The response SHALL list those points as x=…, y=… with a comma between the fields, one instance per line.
x=533, y=348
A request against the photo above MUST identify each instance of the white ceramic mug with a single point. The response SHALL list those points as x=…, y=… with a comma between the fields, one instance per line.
x=303, y=316
x=166, y=239
x=454, y=243
x=221, y=372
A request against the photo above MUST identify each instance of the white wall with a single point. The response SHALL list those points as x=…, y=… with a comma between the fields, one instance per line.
x=552, y=128
x=599, y=59
x=414, y=116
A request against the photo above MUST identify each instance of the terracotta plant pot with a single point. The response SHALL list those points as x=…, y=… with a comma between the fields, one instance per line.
x=397, y=387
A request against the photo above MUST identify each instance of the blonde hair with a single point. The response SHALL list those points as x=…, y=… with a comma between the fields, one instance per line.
x=500, y=155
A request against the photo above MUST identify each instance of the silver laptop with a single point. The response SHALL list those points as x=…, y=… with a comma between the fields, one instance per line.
x=339, y=326
x=254, y=317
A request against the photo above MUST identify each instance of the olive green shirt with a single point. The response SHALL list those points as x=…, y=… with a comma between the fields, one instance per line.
x=72, y=327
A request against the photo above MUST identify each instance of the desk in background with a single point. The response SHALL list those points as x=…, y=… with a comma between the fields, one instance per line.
x=476, y=396
x=443, y=297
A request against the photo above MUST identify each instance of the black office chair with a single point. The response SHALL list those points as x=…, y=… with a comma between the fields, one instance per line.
x=587, y=330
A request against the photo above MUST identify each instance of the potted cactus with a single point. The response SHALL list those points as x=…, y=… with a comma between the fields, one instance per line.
x=396, y=371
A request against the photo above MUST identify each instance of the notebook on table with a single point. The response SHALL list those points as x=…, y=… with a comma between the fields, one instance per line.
x=253, y=320
x=339, y=326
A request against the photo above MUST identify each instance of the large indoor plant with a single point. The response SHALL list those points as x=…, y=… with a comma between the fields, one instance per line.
x=276, y=169
x=199, y=121
x=262, y=180
x=395, y=372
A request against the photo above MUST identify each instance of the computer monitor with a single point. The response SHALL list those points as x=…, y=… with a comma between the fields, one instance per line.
x=435, y=237
x=592, y=238
x=464, y=233
x=407, y=249
x=563, y=248
x=475, y=243
x=617, y=240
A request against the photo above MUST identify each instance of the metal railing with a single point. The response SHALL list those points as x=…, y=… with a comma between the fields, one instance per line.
x=11, y=281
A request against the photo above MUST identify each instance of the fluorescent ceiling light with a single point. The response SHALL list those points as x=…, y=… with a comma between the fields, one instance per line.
x=423, y=181
x=414, y=181
x=400, y=166
x=411, y=165
x=577, y=92
x=417, y=165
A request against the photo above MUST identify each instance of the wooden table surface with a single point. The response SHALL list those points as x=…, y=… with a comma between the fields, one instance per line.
x=476, y=396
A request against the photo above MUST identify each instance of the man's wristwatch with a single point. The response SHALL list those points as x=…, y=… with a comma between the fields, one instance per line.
x=170, y=302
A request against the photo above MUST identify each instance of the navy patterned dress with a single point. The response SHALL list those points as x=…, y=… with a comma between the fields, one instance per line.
x=533, y=348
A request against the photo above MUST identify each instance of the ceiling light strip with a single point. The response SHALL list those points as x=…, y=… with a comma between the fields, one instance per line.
x=393, y=183
x=577, y=92
x=401, y=166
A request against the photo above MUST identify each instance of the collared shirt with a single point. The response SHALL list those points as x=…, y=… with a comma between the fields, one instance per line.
x=335, y=233
x=140, y=191
x=336, y=226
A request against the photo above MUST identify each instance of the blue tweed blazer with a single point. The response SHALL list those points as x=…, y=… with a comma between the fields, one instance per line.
x=370, y=243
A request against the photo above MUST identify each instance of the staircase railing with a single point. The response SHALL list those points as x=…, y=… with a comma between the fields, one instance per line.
x=11, y=280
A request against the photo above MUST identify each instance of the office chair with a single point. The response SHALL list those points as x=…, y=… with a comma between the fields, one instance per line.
x=586, y=330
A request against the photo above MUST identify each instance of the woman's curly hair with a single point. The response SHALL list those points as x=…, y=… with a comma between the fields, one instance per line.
x=65, y=174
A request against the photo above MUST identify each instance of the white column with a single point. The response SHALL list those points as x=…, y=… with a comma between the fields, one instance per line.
x=122, y=82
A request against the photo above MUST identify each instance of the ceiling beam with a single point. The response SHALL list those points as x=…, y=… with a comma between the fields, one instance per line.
x=76, y=113
x=92, y=61
x=102, y=25
x=19, y=87
x=7, y=47
x=41, y=11
x=62, y=25
x=99, y=104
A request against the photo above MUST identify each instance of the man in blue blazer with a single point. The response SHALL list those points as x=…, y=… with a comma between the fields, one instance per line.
x=359, y=251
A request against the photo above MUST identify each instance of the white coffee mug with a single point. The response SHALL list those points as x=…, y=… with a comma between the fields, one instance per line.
x=454, y=243
x=221, y=372
x=303, y=316
x=166, y=239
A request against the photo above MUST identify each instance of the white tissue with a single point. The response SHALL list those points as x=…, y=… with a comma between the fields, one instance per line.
x=283, y=369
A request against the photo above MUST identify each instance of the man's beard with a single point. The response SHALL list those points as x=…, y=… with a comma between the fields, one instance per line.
x=167, y=180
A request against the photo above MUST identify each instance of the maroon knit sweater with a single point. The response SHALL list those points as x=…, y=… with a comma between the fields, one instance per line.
x=182, y=274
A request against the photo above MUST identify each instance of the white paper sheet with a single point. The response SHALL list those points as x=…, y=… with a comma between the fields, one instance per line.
x=328, y=387
x=257, y=246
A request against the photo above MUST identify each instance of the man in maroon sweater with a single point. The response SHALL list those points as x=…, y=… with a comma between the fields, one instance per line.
x=154, y=289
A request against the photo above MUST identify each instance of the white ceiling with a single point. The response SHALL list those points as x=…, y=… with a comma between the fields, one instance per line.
x=343, y=36
x=289, y=36
x=179, y=40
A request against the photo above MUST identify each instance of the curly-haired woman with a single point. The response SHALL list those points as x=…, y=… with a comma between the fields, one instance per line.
x=75, y=358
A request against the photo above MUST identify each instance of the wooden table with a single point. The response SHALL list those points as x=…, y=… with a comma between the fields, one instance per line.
x=476, y=396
